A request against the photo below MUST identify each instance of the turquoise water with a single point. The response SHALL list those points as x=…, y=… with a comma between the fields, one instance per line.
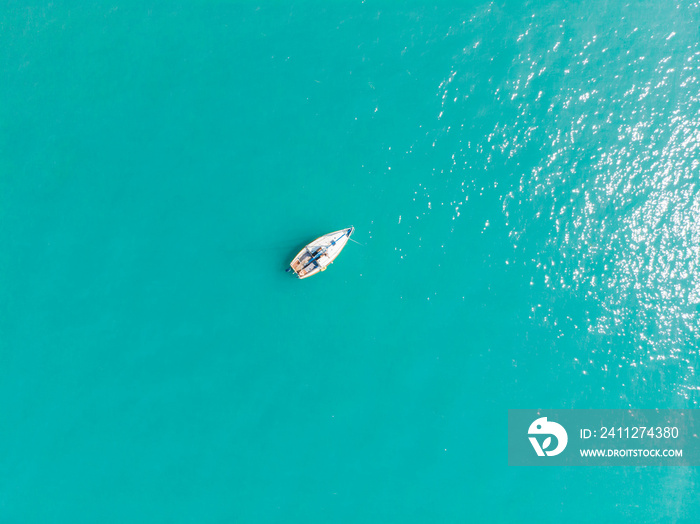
x=524, y=179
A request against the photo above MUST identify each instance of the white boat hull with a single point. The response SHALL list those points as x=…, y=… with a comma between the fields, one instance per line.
x=319, y=254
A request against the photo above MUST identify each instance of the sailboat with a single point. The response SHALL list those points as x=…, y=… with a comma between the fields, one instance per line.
x=319, y=254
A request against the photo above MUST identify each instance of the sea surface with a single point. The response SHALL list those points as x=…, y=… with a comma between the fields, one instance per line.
x=524, y=180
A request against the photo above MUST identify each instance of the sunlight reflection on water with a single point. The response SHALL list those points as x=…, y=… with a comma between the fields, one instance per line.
x=603, y=149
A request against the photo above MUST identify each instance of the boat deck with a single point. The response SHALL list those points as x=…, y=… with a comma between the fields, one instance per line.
x=302, y=261
x=320, y=253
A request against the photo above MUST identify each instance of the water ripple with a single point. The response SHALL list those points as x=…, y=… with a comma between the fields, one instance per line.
x=594, y=136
